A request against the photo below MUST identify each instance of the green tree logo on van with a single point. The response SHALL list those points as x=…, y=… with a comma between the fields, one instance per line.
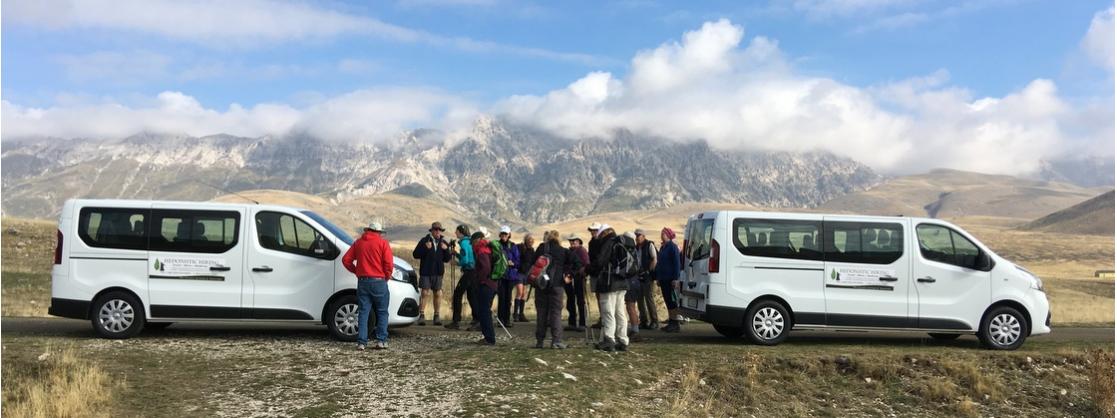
x=835, y=275
x=158, y=265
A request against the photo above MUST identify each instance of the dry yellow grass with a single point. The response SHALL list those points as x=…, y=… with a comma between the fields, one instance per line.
x=1101, y=381
x=61, y=384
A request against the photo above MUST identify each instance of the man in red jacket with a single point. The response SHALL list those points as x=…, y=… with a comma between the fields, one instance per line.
x=370, y=259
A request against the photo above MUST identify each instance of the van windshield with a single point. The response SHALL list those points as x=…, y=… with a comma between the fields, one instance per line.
x=334, y=229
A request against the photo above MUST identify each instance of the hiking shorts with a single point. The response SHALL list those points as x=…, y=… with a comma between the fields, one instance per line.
x=430, y=282
x=633, y=293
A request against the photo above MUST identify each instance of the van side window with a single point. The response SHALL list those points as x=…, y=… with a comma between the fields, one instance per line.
x=283, y=232
x=120, y=228
x=777, y=238
x=944, y=245
x=864, y=242
x=194, y=231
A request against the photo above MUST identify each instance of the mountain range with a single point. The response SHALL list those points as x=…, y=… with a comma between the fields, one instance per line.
x=499, y=171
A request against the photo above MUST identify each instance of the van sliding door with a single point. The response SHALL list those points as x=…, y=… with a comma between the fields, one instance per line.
x=867, y=273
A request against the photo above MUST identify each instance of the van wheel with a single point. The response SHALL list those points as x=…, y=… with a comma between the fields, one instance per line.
x=342, y=319
x=944, y=337
x=729, y=332
x=1003, y=328
x=117, y=315
x=767, y=323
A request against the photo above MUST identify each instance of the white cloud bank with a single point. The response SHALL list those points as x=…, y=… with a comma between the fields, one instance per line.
x=1098, y=42
x=708, y=86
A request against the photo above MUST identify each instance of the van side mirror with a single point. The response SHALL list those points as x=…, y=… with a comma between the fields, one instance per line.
x=983, y=262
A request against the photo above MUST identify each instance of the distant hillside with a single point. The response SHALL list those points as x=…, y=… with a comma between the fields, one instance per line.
x=1094, y=216
x=953, y=194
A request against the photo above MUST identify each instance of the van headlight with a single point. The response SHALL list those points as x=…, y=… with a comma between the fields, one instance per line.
x=1037, y=284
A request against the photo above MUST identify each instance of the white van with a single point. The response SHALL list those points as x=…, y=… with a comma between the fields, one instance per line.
x=762, y=274
x=130, y=264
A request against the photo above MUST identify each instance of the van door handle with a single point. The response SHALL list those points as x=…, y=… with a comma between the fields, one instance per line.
x=927, y=279
x=262, y=269
x=888, y=279
x=219, y=268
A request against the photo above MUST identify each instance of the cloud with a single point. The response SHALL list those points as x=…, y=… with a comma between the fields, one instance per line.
x=710, y=87
x=245, y=23
x=1098, y=42
x=371, y=115
x=823, y=9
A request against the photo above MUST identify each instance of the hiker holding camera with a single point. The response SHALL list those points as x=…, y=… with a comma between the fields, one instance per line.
x=433, y=252
x=511, y=278
x=551, y=271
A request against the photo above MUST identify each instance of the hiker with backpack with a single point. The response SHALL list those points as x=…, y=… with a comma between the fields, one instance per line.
x=667, y=272
x=527, y=259
x=576, y=290
x=612, y=267
x=467, y=263
x=635, y=289
x=433, y=252
x=551, y=271
x=506, y=269
x=485, y=287
x=646, y=256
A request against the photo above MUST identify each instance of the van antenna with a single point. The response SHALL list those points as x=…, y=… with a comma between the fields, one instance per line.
x=226, y=191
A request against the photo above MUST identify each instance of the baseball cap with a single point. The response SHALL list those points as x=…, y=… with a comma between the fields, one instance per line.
x=375, y=226
x=505, y=229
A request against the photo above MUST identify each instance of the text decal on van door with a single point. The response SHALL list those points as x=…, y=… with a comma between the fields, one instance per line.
x=858, y=277
x=189, y=268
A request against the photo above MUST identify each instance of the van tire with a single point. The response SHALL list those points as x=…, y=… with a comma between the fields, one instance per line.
x=1000, y=325
x=341, y=318
x=943, y=336
x=117, y=315
x=729, y=332
x=767, y=323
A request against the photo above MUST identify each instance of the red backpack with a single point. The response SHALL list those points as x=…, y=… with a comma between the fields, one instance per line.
x=537, y=276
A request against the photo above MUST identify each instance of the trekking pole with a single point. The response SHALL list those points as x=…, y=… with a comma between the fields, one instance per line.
x=503, y=327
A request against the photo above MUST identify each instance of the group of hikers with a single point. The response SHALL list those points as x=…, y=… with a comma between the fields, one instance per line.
x=622, y=270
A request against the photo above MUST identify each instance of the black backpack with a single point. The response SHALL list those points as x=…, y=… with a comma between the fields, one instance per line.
x=624, y=258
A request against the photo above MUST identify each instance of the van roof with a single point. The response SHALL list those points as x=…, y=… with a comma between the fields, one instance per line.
x=805, y=215
x=185, y=204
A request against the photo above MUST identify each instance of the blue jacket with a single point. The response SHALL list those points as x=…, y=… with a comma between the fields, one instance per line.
x=668, y=265
x=432, y=261
x=512, y=253
x=465, y=256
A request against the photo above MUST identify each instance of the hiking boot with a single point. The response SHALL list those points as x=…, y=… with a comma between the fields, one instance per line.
x=559, y=346
x=436, y=322
x=380, y=345
x=485, y=342
x=635, y=338
x=454, y=326
x=360, y=347
x=654, y=325
x=539, y=344
x=622, y=347
x=474, y=327
x=672, y=326
x=522, y=318
x=422, y=320
x=606, y=345
x=645, y=326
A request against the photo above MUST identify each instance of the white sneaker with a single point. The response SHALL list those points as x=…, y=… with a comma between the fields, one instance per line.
x=361, y=347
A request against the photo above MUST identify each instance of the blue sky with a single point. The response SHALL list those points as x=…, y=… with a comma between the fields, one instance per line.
x=286, y=61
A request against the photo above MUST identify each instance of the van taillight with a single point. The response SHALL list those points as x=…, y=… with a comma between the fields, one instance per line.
x=715, y=256
x=58, y=249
